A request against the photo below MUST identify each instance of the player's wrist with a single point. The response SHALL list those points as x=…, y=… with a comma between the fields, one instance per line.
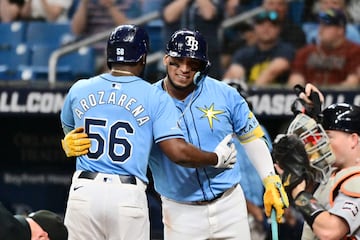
x=308, y=206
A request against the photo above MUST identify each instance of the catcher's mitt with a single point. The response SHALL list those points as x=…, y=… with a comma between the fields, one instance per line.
x=289, y=153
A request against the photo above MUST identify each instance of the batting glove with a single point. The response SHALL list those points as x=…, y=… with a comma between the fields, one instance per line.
x=275, y=197
x=76, y=143
x=226, y=153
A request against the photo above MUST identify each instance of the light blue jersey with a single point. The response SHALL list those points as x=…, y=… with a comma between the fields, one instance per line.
x=211, y=112
x=122, y=116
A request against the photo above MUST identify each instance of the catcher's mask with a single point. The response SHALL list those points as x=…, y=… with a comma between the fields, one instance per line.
x=316, y=144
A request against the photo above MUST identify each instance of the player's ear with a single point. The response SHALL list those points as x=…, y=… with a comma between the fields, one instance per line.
x=165, y=59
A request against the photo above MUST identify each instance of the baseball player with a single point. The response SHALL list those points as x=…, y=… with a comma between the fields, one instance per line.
x=210, y=109
x=332, y=210
x=123, y=115
x=204, y=202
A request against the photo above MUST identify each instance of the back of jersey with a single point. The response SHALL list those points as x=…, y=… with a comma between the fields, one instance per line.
x=122, y=116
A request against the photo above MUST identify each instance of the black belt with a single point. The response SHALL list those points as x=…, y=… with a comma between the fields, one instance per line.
x=126, y=179
x=204, y=202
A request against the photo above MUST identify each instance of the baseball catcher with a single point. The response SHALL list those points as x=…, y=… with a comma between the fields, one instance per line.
x=304, y=153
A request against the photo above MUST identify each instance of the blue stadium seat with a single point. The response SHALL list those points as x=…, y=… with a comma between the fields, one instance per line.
x=309, y=28
x=51, y=34
x=70, y=67
x=296, y=9
x=11, y=59
x=12, y=34
x=38, y=67
x=81, y=62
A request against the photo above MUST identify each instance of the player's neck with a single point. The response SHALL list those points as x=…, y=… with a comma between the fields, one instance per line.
x=122, y=72
x=179, y=94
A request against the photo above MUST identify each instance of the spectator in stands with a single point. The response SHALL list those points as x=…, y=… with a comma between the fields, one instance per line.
x=239, y=36
x=290, y=32
x=333, y=60
x=312, y=8
x=268, y=61
x=42, y=10
x=203, y=15
x=352, y=33
x=95, y=16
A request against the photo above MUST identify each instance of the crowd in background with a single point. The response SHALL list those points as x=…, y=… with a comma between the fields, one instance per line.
x=263, y=50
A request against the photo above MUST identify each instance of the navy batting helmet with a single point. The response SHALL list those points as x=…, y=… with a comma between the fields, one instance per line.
x=127, y=44
x=190, y=44
x=343, y=117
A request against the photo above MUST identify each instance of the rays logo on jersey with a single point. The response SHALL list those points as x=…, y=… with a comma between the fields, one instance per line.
x=192, y=43
x=210, y=113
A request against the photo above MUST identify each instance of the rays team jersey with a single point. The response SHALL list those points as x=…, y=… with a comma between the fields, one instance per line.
x=122, y=116
x=207, y=115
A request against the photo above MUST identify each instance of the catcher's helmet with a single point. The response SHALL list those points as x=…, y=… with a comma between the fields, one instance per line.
x=343, y=117
x=127, y=44
x=317, y=145
x=189, y=44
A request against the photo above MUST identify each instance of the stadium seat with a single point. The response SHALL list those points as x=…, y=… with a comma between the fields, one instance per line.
x=11, y=59
x=38, y=67
x=310, y=29
x=296, y=9
x=70, y=67
x=81, y=62
x=11, y=34
x=50, y=34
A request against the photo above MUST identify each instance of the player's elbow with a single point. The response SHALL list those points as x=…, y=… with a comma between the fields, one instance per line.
x=328, y=234
x=331, y=228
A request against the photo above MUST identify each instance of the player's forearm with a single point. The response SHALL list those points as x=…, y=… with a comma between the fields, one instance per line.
x=187, y=155
x=190, y=156
x=260, y=157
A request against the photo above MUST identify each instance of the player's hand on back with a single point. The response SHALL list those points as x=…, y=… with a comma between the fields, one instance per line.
x=76, y=143
x=226, y=153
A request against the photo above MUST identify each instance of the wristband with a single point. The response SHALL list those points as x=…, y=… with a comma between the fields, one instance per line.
x=308, y=206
